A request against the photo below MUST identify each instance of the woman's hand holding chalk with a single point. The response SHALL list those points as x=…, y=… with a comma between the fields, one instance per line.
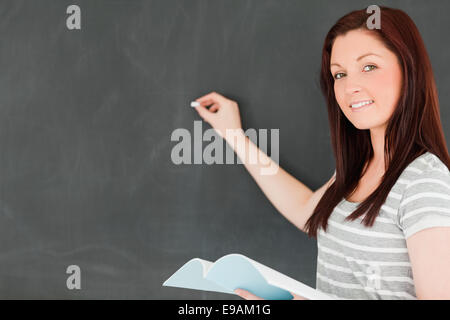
x=223, y=113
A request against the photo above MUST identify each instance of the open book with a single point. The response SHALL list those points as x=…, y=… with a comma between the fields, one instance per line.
x=238, y=271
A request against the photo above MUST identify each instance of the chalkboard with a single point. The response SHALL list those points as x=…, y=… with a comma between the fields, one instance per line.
x=86, y=118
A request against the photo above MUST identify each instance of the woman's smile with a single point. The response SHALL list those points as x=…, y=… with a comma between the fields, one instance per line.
x=362, y=105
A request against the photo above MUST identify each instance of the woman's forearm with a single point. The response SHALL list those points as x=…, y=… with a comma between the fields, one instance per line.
x=287, y=194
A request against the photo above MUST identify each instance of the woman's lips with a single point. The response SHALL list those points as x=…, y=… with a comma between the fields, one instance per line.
x=362, y=108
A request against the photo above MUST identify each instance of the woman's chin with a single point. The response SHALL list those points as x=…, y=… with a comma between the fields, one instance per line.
x=362, y=126
x=369, y=126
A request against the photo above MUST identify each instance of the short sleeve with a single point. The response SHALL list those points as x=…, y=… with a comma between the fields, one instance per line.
x=425, y=202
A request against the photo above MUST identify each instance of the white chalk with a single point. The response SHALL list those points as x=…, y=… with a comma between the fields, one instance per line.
x=195, y=104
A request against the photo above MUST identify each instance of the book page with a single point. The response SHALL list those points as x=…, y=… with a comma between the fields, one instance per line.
x=192, y=276
x=282, y=281
x=236, y=271
x=206, y=265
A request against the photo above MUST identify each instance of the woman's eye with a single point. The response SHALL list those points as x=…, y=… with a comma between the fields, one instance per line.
x=370, y=65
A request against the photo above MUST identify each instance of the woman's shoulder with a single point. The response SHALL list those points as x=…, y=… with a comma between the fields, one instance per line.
x=425, y=198
x=427, y=162
x=426, y=166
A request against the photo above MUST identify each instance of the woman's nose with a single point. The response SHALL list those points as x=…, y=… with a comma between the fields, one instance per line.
x=352, y=86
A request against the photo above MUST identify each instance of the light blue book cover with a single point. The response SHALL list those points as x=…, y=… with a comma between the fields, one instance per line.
x=238, y=271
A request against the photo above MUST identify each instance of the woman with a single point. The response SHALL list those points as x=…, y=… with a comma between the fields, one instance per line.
x=382, y=221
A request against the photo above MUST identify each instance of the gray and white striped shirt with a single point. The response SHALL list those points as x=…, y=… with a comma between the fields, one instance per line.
x=358, y=262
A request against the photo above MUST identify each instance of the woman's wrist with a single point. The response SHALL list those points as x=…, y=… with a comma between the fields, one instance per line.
x=234, y=136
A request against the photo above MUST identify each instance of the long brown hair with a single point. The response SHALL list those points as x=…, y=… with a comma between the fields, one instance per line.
x=413, y=129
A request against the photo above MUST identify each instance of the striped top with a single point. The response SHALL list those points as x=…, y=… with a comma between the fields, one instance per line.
x=359, y=262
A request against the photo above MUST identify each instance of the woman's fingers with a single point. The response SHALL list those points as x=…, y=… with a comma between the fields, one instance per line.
x=213, y=99
x=223, y=114
x=207, y=114
x=214, y=107
x=250, y=296
x=210, y=98
x=247, y=295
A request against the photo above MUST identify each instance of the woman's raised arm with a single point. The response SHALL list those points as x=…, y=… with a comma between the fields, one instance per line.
x=294, y=200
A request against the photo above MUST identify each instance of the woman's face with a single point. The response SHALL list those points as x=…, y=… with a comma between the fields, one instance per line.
x=365, y=70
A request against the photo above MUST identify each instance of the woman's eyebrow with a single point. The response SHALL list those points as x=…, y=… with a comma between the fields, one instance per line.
x=359, y=58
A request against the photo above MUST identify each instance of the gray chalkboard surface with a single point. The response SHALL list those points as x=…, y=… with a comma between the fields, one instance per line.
x=86, y=117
